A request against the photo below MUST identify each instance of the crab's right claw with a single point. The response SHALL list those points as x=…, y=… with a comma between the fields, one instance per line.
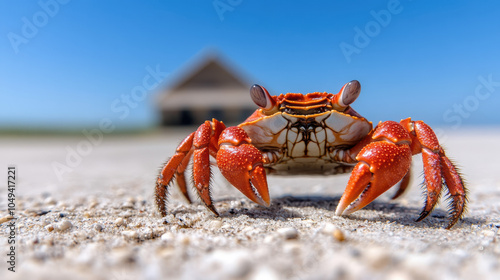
x=370, y=178
x=381, y=165
x=241, y=164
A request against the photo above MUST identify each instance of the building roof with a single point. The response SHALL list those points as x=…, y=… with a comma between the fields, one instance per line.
x=210, y=83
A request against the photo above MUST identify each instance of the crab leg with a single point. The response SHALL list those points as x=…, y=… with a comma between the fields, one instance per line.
x=180, y=178
x=381, y=164
x=438, y=170
x=200, y=144
x=167, y=173
x=241, y=163
x=433, y=181
x=203, y=147
x=456, y=189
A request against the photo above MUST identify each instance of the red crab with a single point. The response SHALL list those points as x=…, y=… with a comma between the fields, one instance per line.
x=317, y=133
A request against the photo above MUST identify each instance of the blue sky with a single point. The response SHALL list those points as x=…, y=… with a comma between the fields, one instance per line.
x=64, y=63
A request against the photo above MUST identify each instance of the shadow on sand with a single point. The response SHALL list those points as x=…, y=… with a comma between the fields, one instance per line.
x=391, y=212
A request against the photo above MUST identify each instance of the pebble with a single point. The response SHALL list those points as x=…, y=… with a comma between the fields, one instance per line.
x=339, y=235
x=289, y=233
x=50, y=201
x=61, y=205
x=6, y=219
x=132, y=234
x=98, y=227
x=49, y=227
x=269, y=239
x=332, y=230
x=119, y=222
x=215, y=224
x=64, y=225
x=127, y=205
x=42, y=212
x=328, y=228
x=87, y=215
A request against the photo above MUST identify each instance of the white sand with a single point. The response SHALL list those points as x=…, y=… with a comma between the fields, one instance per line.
x=101, y=222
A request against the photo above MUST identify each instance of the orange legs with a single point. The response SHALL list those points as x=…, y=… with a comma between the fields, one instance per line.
x=387, y=159
x=438, y=171
x=239, y=161
x=384, y=158
x=167, y=173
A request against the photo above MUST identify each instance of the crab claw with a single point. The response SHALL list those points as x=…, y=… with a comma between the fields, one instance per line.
x=381, y=165
x=241, y=164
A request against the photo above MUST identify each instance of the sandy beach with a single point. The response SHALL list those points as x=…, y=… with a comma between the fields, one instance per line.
x=85, y=211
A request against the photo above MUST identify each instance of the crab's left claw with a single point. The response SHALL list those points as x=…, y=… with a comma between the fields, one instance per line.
x=381, y=165
x=241, y=163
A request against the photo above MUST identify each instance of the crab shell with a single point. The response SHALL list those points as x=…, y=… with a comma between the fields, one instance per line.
x=306, y=134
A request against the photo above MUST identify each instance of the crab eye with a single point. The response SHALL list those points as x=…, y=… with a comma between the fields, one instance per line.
x=349, y=93
x=261, y=97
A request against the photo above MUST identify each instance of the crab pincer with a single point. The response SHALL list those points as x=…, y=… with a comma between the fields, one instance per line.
x=381, y=164
x=242, y=165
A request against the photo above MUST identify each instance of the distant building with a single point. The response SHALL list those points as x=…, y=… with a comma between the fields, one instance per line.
x=210, y=89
